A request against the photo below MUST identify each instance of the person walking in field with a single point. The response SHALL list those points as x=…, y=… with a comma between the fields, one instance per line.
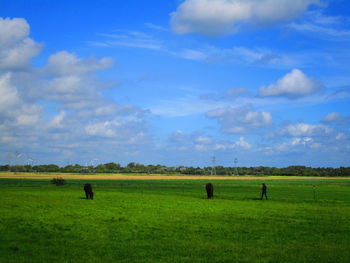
x=263, y=191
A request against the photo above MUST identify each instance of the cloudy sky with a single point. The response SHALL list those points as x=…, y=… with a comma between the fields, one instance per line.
x=175, y=82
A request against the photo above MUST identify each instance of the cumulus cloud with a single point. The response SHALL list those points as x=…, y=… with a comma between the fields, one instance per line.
x=72, y=81
x=213, y=145
x=106, y=128
x=297, y=142
x=8, y=93
x=216, y=17
x=240, y=120
x=309, y=139
x=293, y=85
x=59, y=109
x=28, y=115
x=243, y=143
x=16, y=48
x=64, y=63
x=181, y=141
x=13, y=108
x=305, y=129
x=76, y=90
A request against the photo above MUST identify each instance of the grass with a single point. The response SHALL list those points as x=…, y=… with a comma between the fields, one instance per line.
x=172, y=221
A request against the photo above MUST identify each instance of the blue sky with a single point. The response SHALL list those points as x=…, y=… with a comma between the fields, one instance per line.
x=175, y=82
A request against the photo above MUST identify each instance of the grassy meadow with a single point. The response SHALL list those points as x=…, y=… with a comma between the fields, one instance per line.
x=172, y=221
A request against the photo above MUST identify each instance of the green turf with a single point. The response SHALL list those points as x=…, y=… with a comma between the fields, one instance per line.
x=172, y=221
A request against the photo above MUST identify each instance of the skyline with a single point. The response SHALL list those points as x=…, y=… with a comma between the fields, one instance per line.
x=176, y=82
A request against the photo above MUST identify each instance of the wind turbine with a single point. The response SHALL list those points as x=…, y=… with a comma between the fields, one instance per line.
x=9, y=157
x=17, y=155
x=235, y=162
x=213, y=170
x=30, y=161
x=92, y=162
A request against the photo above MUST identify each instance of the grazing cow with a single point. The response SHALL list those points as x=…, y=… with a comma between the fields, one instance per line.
x=88, y=191
x=210, y=190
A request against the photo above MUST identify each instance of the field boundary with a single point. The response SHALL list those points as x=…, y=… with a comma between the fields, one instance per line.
x=154, y=177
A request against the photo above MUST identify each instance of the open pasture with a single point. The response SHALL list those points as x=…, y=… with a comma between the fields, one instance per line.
x=172, y=221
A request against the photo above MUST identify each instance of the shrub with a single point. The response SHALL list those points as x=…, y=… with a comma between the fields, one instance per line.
x=58, y=181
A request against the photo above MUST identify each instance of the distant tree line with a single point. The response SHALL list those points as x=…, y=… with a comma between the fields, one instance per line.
x=296, y=170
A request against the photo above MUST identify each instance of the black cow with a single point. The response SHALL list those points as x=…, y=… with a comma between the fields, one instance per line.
x=210, y=190
x=88, y=191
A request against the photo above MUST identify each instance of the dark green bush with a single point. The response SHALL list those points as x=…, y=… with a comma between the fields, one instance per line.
x=58, y=181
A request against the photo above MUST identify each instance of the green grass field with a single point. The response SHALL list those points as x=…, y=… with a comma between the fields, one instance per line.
x=172, y=221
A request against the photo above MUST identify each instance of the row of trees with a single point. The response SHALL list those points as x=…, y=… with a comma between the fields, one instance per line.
x=161, y=169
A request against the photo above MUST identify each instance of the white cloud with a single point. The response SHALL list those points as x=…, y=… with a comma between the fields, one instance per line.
x=294, y=84
x=155, y=27
x=106, y=129
x=13, y=30
x=132, y=39
x=56, y=122
x=240, y=120
x=256, y=56
x=235, y=92
x=326, y=32
x=28, y=115
x=12, y=107
x=191, y=54
x=305, y=129
x=64, y=63
x=216, y=17
x=203, y=140
x=178, y=136
x=8, y=93
x=181, y=141
x=242, y=143
x=297, y=142
x=16, y=48
x=66, y=84
x=59, y=110
x=332, y=28
x=342, y=93
x=333, y=116
x=230, y=94
x=76, y=91
x=201, y=147
x=336, y=118
x=341, y=136
x=235, y=54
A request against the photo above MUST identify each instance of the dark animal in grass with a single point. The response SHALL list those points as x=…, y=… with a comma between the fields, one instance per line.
x=88, y=191
x=210, y=190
